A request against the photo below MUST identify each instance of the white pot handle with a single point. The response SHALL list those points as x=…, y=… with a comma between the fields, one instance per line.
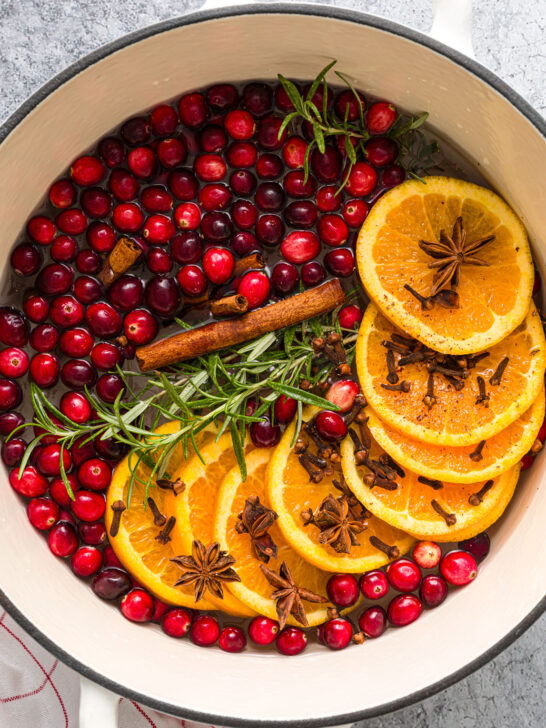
x=452, y=24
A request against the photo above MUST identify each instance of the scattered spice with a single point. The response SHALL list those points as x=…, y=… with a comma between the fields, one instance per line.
x=256, y=520
x=373, y=480
x=495, y=379
x=206, y=568
x=229, y=305
x=289, y=596
x=429, y=400
x=159, y=518
x=537, y=447
x=120, y=259
x=386, y=459
x=360, y=452
x=356, y=410
x=476, y=455
x=315, y=475
x=117, y=507
x=476, y=498
x=177, y=486
x=392, y=376
x=254, y=261
x=401, y=387
x=339, y=525
x=449, y=518
x=164, y=536
x=483, y=397
x=393, y=552
x=434, y=484
x=426, y=303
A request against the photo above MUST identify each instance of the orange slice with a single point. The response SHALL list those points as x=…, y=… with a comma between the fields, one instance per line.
x=411, y=508
x=462, y=464
x=455, y=419
x=135, y=544
x=291, y=493
x=195, y=507
x=493, y=299
x=254, y=590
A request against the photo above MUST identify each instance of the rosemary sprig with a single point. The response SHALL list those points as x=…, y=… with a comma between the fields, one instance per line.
x=416, y=153
x=210, y=390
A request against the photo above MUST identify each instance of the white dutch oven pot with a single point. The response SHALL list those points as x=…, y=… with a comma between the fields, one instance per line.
x=481, y=117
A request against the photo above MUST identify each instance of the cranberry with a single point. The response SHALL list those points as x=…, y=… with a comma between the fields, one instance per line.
x=270, y=229
x=156, y=199
x=183, y=184
x=433, y=590
x=312, y=274
x=404, y=575
x=458, y=567
x=62, y=539
x=243, y=243
x=222, y=96
x=93, y=534
x=88, y=506
x=58, y=490
x=537, y=283
x=192, y=109
x=404, y=609
x=171, y=152
x=105, y=356
x=81, y=450
x=109, y=386
x=72, y=221
x=66, y=311
x=269, y=166
x=301, y=214
x=26, y=259
x=87, y=170
x=63, y=249
x=255, y=287
x=218, y=265
x=350, y=316
x=362, y=179
x=204, y=630
x=296, y=185
x=127, y=217
x=158, y=229
x=337, y=633
x=123, y=185
x=78, y=373
x=355, y=212
x=140, y=326
x=187, y=216
x=214, y=197
x=54, y=279
x=239, y=124
x=340, y=262
x=263, y=630
x=76, y=342
x=192, y=280
x=13, y=451
x=342, y=393
x=210, y=167
x=342, y=590
x=86, y=561
x=291, y=641
x=244, y=214
x=126, y=292
x=96, y=202
x=138, y=605
x=373, y=621
x=478, y=546
x=282, y=99
x=62, y=194
x=527, y=460
x=269, y=196
x=158, y=260
x=186, y=247
x=110, y=449
x=163, y=120
x=13, y=362
x=257, y=98
x=42, y=513
x=162, y=296
x=232, y=639
x=111, y=583
x=76, y=407
x=242, y=154
x=30, y=484
x=135, y=131
x=94, y=474
x=44, y=337
x=285, y=409
x=264, y=434
x=328, y=199
x=268, y=133
x=348, y=106
x=374, y=584
x=110, y=558
x=44, y=370
x=36, y=308
x=242, y=182
x=393, y=175
x=326, y=166
x=103, y=319
x=10, y=421
x=381, y=151
x=330, y=426
x=300, y=246
x=88, y=261
x=41, y=229
x=49, y=460
x=293, y=152
x=10, y=394
x=284, y=277
x=212, y=139
x=380, y=117
x=426, y=554
x=112, y=151
x=176, y=622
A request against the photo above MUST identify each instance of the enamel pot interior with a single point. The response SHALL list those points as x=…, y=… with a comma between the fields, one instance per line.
x=318, y=686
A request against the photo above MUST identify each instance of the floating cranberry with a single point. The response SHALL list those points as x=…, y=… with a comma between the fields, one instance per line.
x=94, y=474
x=54, y=279
x=44, y=370
x=87, y=171
x=62, y=194
x=158, y=260
x=78, y=374
x=176, y=622
x=291, y=641
x=48, y=461
x=62, y=539
x=88, y=506
x=103, y=319
x=86, y=561
x=111, y=151
x=222, y=97
x=10, y=421
x=36, y=309
x=204, y=630
x=66, y=311
x=93, y=534
x=76, y=343
x=373, y=622
x=88, y=261
x=301, y=213
x=264, y=434
x=326, y=166
x=433, y=590
x=171, y=152
x=76, y=407
x=216, y=226
x=26, y=259
x=232, y=639
x=404, y=575
x=96, y=202
x=123, y=185
x=296, y=185
x=243, y=243
x=13, y=451
x=162, y=296
x=41, y=229
x=186, y=247
x=14, y=362
x=328, y=199
x=337, y=633
x=393, y=175
x=109, y=386
x=158, y=229
x=105, y=356
x=380, y=117
x=255, y=287
x=214, y=197
x=10, y=394
x=210, y=167
x=270, y=229
x=187, y=216
x=156, y=199
x=127, y=217
x=268, y=133
x=140, y=327
x=458, y=568
x=312, y=274
x=478, y=546
x=59, y=492
x=243, y=182
x=362, y=179
x=212, y=139
x=71, y=222
x=342, y=590
x=63, y=249
x=348, y=106
x=330, y=426
x=374, y=584
x=244, y=214
x=44, y=337
x=293, y=152
x=381, y=151
x=192, y=109
x=283, y=100
x=342, y=393
x=257, y=98
x=42, y=513
x=355, y=212
x=111, y=449
x=241, y=154
x=350, y=316
x=218, y=265
x=426, y=554
x=269, y=196
x=300, y=246
x=284, y=277
x=239, y=124
x=126, y=292
x=183, y=184
x=263, y=630
x=269, y=166
x=284, y=409
x=340, y=262
x=30, y=484
x=163, y=120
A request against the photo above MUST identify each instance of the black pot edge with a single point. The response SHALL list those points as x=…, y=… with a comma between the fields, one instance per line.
x=293, y=9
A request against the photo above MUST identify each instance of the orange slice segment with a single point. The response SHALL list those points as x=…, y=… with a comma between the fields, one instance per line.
x=195, y=507
x=456, y=418
x=493, y=298
x=135, y=543
x=462, y=464
x=254, y=590
x=291, y=493
x=411, y=506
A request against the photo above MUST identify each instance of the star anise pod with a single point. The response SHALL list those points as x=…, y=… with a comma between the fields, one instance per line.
x=256, y=520
x=450, y=253
x=339, y=524
x=289, y=596
x=207, y=568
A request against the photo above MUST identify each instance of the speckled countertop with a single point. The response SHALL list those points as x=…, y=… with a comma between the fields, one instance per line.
x=40, y=37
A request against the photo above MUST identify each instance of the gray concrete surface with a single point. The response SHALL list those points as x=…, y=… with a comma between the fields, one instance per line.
x=40, y=37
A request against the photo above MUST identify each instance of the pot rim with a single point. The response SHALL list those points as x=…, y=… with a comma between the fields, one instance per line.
x=360, y=18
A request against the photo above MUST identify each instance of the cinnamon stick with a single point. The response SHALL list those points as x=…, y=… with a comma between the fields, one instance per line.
x=222, y=334
x=120, y=259
x=249, y=262
x=229, y=305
